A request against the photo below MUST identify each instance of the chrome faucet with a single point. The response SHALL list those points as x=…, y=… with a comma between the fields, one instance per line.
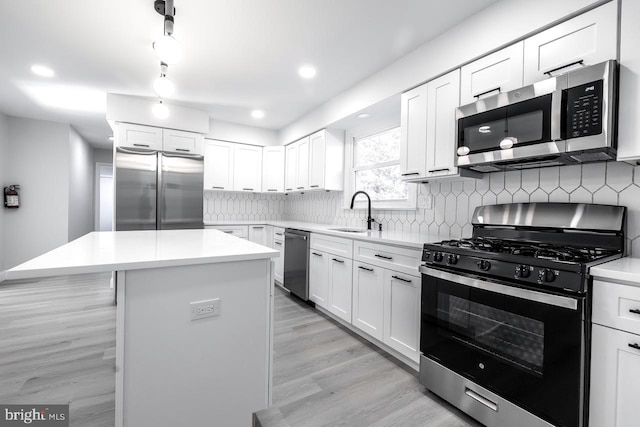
x=369, y=219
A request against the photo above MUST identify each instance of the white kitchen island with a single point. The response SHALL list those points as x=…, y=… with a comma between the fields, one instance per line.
x=172, y=369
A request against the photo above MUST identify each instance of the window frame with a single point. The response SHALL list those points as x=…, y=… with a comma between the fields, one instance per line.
x=351, y=135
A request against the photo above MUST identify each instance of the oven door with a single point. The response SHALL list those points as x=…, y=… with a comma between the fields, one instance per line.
x=526, y=346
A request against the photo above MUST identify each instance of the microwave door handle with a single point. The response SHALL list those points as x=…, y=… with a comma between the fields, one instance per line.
x=556, y=113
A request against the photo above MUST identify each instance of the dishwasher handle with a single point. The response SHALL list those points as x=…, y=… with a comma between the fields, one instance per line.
x=294, y=236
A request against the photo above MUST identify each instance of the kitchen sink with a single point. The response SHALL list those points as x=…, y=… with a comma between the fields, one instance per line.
x=349, y=230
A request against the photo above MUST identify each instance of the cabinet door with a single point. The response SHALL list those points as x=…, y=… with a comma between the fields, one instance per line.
x=138, y=136
x=615, y=378
x=258, y=234
x=500, y=71
x=279, y=273
x=273, y=169
x=317, y=159
x=413, y=133
x=181, y=142
x=402, y=313
x=591, y=38
x=218, y=165
x=302, y=173
x=368, y=285
x=629, y=109
x=247, y=168
x=291, y=159
x=442, y=99
x=340, y=286
x=319, y=278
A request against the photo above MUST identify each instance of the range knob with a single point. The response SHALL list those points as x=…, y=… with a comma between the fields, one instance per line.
x=437, y=257
x=484, y=265
x=546, y=275
x=426, y=255
x=452, y=259
x=523, y=271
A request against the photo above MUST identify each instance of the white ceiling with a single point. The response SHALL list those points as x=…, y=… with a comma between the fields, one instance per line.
x=238, y=55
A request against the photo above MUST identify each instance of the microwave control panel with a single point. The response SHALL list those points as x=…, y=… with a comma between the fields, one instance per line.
x=583, y=110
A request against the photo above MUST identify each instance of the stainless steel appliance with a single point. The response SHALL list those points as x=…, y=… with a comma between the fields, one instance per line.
x=296, y=262
x=157, y=190
x=570, y=118
x=505, y=314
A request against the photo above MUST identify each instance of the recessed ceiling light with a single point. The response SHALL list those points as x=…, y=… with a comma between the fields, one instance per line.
x=257, y=114
x=363, y=115
x=42, y=71
x=307, y=72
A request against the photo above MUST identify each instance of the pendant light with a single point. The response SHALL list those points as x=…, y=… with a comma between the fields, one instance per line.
x=160, y=110
x=167, y=47
x=162, y=85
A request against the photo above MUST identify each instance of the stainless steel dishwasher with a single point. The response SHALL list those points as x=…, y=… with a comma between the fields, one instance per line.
x=296, y=262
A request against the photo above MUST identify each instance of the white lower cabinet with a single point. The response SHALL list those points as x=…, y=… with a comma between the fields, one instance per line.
x=615, y=378
x=259, y=234
x=402, y=313
x=278, y=244
x=368, y=308
x=340, y=286
x=319, y=278
x=615, y=355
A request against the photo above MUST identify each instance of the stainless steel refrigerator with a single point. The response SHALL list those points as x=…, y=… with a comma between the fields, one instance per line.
x=157, y=191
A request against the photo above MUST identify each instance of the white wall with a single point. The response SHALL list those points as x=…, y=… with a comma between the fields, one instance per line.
x=4, y=151
x=38, y=160
x=234, y=132
x=496, y=26
x=81, y=186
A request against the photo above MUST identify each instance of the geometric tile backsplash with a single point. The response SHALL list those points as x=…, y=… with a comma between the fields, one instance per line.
x=453, y=203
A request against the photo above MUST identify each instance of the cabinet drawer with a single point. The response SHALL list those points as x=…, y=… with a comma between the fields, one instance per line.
x=278, y=234
x=404, y=260
x=617, y=306
x=241, y=231
x=332, y=245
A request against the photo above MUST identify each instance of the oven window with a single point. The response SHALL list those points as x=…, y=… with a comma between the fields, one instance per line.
x=516, y=339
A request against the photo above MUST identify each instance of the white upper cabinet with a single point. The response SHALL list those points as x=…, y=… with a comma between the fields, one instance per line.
x=153, y=138
x=302, y=172
x=413, y=133
x=427, y=130
x=138, y=136
x=273, y=169
x=589, y=38
x=443, y=95
x=629, y=109
x=182, y=142
x=326, y=161
x=218, y=165
x=315, y=162
x=247, y=168
x=500, y=71
x=291, y=171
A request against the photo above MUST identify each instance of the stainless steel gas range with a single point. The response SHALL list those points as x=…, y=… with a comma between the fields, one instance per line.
x=505, y=317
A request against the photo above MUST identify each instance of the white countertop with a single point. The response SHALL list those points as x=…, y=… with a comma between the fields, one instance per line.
x=130, y=250
x=408, y=239
x=625, y=270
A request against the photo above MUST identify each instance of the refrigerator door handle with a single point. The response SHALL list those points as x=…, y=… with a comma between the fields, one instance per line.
x=189, y=156
x=146, y=152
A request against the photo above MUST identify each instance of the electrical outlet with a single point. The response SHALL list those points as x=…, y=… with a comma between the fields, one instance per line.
x=205, y=308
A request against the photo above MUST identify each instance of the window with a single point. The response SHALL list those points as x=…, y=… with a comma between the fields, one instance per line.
x=375, y=160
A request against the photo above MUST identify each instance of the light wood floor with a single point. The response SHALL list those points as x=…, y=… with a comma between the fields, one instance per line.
x=324, y=375
x=57, y=346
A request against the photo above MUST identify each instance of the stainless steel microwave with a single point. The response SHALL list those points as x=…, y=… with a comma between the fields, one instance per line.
x=566, y=119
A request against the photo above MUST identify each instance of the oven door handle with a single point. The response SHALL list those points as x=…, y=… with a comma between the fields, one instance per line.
x=551, y=299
